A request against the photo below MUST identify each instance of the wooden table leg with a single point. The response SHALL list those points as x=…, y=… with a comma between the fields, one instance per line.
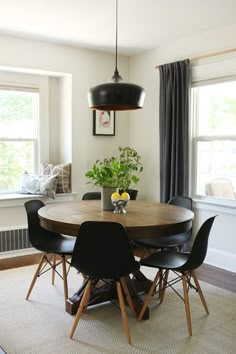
x=137, y=285
x=73, y=302
x=99, y=294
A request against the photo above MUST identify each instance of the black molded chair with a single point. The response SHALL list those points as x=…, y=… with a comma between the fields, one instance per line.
x=92, y=196
x=103, y=251
x=183, y=265
x=173, y=240
x=52, y=245
x=133, y=193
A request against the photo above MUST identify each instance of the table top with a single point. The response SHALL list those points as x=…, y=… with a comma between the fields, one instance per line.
x=143, y=219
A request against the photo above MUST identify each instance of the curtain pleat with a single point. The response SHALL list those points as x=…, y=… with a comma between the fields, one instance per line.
x=174, y=130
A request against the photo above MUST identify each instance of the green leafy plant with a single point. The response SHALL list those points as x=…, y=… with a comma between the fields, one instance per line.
x=131, y=164
x=104, y=173
x=116, y=172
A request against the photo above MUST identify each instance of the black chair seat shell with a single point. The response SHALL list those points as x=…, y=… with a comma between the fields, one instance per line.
x=92, y=196
x=103, y=252
x=51, y=244
x=183, y=265
x=163, y=242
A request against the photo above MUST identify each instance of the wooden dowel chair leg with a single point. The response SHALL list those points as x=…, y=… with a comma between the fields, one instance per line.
x=186, y=302
x=200, y=292
x=83, y=303
x=164, y=283
x=53, y=268
x=64, y=278
x=149, y=295
x=123, y=311
x=35, y=276
x=143, y=254
x=160, y=283
x=128, y=297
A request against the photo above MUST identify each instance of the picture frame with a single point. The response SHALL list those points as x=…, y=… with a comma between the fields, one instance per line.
x=104, y=123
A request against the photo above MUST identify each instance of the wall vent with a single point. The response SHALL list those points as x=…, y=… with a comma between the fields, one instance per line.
x=11, y=240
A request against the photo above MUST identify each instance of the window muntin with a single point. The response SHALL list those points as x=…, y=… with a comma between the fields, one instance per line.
x=19, y=112
x=214, y=136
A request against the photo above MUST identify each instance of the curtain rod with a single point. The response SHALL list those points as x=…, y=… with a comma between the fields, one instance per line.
x=208, y=55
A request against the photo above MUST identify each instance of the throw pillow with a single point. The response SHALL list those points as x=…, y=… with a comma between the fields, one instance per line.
x=35, y=184
x=64, y=175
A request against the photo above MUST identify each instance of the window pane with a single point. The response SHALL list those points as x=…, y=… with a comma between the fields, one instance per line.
x=215, y=159
x=15, y=158
x=217, y=109
x=18, y=112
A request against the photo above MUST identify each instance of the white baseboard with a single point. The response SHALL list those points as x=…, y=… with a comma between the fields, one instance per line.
x=221, y=259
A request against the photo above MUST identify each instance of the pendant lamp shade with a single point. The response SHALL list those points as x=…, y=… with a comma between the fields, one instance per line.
x=116, y=95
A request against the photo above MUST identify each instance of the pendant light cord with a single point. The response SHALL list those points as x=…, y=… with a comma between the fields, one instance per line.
x=116, y=76
x=116, y=32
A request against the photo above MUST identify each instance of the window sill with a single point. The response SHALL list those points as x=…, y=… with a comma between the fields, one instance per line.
x=12, y=200
x=225, y=206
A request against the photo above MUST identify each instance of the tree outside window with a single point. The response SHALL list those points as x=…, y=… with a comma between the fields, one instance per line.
x=19, y=111
x=214, y=140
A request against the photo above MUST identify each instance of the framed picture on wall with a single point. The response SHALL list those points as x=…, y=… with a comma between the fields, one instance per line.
x=104, y=123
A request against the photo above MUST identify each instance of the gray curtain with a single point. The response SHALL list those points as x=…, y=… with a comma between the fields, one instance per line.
x=174, y=130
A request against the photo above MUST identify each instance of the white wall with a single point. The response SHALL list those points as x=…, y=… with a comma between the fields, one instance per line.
x=144, y=132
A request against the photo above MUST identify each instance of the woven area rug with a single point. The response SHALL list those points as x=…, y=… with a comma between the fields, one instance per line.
x=41, y=324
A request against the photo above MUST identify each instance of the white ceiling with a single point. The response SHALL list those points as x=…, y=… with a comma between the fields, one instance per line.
x=142, y=24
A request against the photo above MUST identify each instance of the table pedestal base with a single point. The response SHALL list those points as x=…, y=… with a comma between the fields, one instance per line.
x=136, y=285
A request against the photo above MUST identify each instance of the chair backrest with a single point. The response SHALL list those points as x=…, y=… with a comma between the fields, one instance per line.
x=220, y=187
x=102, y=250
x=92, y=196
x=182, y=201
x=199, y=249
x=133, y=193
x=38, y=236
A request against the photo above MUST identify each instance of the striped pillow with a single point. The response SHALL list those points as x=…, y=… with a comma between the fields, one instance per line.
x=63, y=172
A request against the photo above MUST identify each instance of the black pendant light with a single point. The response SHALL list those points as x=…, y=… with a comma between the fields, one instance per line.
x=116, y=95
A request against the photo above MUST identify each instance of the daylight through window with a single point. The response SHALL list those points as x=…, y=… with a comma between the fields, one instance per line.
x=214, y=140
x=19, y=112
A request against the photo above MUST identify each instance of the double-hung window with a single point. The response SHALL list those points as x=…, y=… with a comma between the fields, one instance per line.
x=214, y=139
x=19, y=135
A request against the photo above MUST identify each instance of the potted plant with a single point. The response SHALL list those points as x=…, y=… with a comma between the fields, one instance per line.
x=131, y=164
x=105, y=174
x=115, y=173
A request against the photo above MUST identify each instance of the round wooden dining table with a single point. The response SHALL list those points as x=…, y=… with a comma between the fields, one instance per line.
x=142, y=220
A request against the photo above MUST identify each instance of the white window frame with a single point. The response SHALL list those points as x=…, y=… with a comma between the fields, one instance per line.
x=216, y=70
x=40, y=84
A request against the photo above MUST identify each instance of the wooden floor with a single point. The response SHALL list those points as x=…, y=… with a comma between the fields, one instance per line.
x=15, y=262
x=207, y=273
x=217, y=276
